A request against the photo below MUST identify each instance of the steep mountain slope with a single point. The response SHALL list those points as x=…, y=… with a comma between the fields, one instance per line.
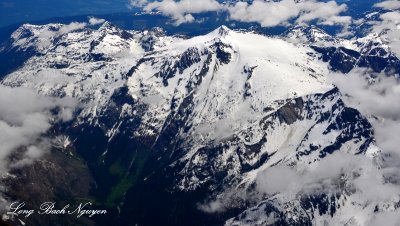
x=167, y=125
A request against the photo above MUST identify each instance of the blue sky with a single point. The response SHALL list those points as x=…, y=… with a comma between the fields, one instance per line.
x=14, y=11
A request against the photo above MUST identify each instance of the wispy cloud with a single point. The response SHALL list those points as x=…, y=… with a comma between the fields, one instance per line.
x=376, y=97
x=389, y=24
x=391, y=4
x=25, y=117
x=96, y=21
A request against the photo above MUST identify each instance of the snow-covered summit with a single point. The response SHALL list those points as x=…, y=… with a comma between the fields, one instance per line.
x=369, y=52
x=311, y=34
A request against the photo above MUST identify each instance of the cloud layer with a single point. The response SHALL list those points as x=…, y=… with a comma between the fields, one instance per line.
x=267, y=14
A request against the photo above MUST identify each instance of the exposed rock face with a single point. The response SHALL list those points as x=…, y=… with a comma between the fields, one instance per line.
x=57, y=177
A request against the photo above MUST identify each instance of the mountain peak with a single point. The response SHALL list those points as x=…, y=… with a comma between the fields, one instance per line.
x=222, y=31
x=310, y=34
x=108, y=26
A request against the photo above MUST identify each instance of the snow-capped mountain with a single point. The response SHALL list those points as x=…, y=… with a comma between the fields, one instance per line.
x=369, y=52
x=311, y=34
x=86, y=64
x=176, y=123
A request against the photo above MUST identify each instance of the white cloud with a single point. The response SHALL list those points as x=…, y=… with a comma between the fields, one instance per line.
x=357, y=176
x=45, y=36
x=328, y=176
x=212, y=207
x=137, y=3
x=181, y=11
x=325, y=12
x=385, y=218
x=96, y=21
x=277, y=179
x=389, y=26
x=270, y=14
x=391, y=4
x=24, y=118
x=71, y=27
x=267, y=14
x=379, y=97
